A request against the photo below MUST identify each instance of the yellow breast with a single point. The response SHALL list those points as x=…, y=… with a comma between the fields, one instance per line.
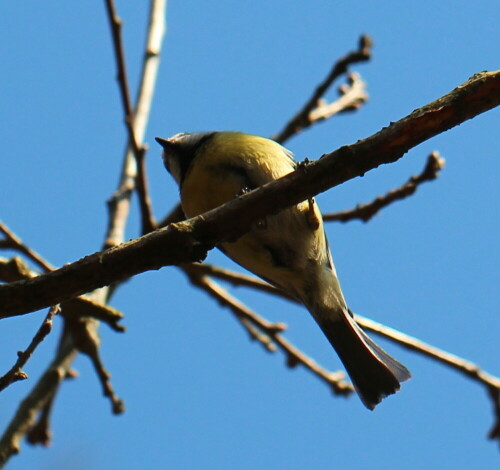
x=229, y=165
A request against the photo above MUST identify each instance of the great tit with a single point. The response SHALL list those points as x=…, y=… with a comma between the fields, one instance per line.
x=289, y=249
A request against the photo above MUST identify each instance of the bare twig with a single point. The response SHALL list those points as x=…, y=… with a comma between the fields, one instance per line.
x=16, y=373
x=115, y=24
x=197, y=272
x=189, y=241
x=335, y=380
x=148, y=222
x=494, y=395
x=15, y=269
x=463, y=366
x=87, y=341
x=365, y=212
x=352, y=96
x=156, y=31
x=467, y=368
x=40, y=398
x=40, y=433
x=234, y=278
x=303, y=118
x=151, y=62
x=12, y=241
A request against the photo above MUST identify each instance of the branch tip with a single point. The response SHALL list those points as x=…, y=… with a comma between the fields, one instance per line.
x=365, y=212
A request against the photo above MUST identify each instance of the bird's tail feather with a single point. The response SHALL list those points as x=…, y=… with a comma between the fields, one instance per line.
x=374, y=373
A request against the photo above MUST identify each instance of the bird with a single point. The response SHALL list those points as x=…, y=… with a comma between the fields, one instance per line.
x=289, y=249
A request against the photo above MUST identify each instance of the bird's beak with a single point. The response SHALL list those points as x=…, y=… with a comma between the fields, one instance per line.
x=165, y=143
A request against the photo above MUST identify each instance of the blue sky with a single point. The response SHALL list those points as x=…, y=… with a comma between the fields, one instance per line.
x=198, y=394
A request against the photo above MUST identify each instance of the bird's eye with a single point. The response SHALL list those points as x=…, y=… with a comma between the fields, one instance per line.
x=261, y=224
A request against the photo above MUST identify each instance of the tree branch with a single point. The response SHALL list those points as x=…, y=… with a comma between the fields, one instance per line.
x=133, y=172
x=305, y=117
x=41, y=395
x=294, y=356
x=15, y=243
x=189, y=241
x=365, y=212
x=352, y=96
x=15, y=269
x=463, y=366
x=139, y=150
x=234, y=278
x=15, y=373
x=40, y=398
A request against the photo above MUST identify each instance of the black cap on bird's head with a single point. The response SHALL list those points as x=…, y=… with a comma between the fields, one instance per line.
x=180, y=150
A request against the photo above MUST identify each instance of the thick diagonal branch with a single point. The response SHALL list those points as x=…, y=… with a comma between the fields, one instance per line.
x=188, y=241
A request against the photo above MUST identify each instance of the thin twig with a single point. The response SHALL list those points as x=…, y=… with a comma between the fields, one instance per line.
x=134, y=172
x=115, y=24
x=87, y=341
x=294, y=356
x=198, y=273
x=246, y=317
x=471, y=370
x=151, y=63
x=40, y=398
x=302, y=119
x=463, y=366
x=234, y=278
x=365, y=212
x=352, y=96
x=148, y=222
x=15, y=243
x=40, y=433
x=16, y=373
